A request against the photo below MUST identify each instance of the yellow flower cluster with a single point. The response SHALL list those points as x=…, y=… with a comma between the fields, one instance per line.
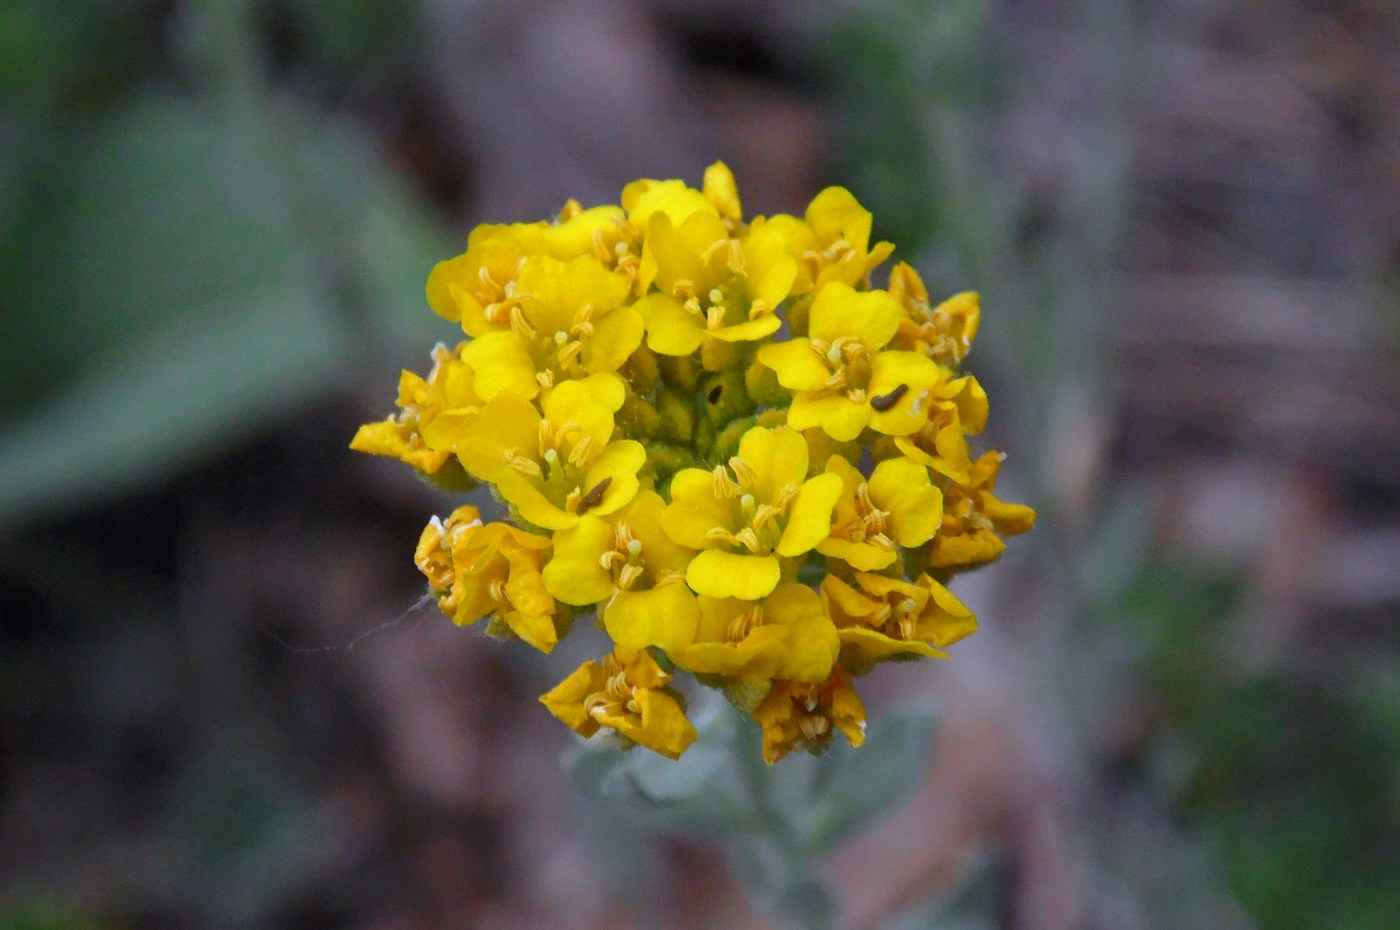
x=716, y=435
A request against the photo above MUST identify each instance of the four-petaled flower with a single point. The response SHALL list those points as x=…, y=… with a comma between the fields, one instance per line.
x=843, y=378
x=627, y=693
x=746, y=516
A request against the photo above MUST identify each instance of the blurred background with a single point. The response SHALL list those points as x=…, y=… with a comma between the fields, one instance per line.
x=222, y=703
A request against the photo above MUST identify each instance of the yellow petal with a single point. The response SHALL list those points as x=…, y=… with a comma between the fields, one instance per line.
x=813, y=644
x=839, y=417
x=531, y=501
x=869, y=317
x=671, y=329
x=615, y=337
x=901, y=488
x=758, y=656
x=508, y=424
x=502, y=364
x=664, y=617
x=862, y=556
x=728, y=574
x=809, y=519
x=587, y=405
x=915, y=375
x=778, y=459
x=695, y=510
x=877, y=645
x=796, y=363
x=753, y=330
x=836, y=214
x=573, y=574
x=720, y=190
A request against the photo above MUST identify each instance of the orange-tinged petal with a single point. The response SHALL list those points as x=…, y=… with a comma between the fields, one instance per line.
x=948, y=620
x=663, y=726
x=728, y=574
x=876, y=645
x=565, y=700
x=971, y=400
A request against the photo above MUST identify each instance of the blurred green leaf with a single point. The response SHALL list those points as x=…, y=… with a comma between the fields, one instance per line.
x=160, y=300
x=183, y=273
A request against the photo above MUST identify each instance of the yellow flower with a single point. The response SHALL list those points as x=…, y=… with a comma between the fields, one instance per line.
x=785, y=635
x=841, y=230
x=708, y=285
x=602, y=232
x=448, y=389
x=975, y=519
x=494, y=568
x=556, y=467
x=568, y=322
x=944, y=333
x=956, y=409
x=841, y=379
x=627, y=563
x=627, y=692
x=746, y=516
x=896, y=507
x=796, y=715
x=477, y=288
x=886, y=617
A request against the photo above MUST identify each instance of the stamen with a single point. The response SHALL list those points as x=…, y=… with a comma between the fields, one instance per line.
x=581, y=452
x=724, y=486
x=742, y=472
x=522, y=463
x=519, y=325
x=629, y=576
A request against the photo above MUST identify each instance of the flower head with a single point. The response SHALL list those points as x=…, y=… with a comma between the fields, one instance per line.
x=711, y=431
